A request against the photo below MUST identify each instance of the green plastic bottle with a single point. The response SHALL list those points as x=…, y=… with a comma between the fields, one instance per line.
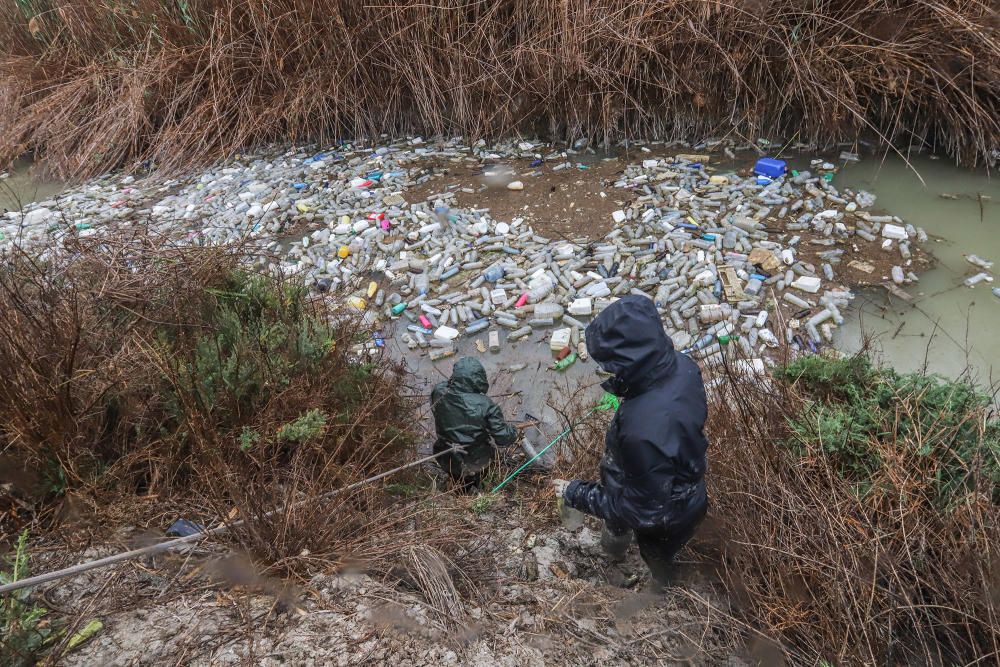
x=565, y=363
x=398, y=308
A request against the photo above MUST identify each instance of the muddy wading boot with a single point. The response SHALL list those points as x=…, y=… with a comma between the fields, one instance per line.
x=615, y=542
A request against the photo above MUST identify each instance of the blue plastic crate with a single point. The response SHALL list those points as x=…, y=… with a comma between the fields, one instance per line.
x=770, y=167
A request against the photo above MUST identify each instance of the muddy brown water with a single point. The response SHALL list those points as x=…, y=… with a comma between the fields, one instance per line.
x=947, y=327
x=23, y=187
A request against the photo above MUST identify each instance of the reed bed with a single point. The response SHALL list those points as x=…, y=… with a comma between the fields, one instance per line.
x=87, y=86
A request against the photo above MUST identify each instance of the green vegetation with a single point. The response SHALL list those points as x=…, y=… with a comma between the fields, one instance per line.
x=858, y=512
x=854, y=409
x=483, y=503
x=24, y=630
x=260, y=336
x=186, y=376
x=248, y=437
x=308, y=426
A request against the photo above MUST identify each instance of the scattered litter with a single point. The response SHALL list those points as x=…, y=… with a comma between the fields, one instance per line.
x=711, y=250
x=862, y=266
x=183, y=528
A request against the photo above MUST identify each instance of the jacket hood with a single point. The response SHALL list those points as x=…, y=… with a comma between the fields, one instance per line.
x=627, y=340
x=469, y=376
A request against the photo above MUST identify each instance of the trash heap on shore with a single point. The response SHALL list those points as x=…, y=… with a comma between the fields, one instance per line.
x=751, y=258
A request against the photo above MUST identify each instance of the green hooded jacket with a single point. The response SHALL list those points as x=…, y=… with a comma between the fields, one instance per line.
x=465, y=415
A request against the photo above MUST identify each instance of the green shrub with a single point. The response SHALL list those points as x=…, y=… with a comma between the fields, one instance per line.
x=184, y=356
x=260, y=335
x=854, y=409
x=308, y=426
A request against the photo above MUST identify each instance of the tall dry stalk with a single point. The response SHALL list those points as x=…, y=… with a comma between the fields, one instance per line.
x=88, y=86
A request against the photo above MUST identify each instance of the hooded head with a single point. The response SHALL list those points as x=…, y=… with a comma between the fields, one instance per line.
x=469, y=376
x=627, y=340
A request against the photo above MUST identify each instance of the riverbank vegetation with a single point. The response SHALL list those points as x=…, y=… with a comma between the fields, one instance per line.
x=858, y=513
x=88, y=86
x=139, y=377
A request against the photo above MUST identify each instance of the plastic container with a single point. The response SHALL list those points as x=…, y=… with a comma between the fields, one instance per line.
x=810, y=284
x=712, y=312
x=894, y=232
x=599, y=290
x=584, y=306
x=548, y=310
x=539, y=294
x=446, y=333
x=565, y=363
x=493, y=274
x=770, y=167
x=417, y=329
x=420, y=283
x=979, y=261
x=441, y=352
x=520, y=333
x=560, y=339
x=978, y=278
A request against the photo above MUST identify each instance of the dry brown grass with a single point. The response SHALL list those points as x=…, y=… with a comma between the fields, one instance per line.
x=872, y=571
x=88, y=86
x=150, y=375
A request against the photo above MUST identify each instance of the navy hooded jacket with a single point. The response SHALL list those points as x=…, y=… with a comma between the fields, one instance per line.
x=652, y=473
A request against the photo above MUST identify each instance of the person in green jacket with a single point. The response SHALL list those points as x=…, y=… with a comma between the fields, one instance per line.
x=468, y=423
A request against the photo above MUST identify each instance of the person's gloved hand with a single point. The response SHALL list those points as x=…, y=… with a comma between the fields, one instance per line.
x=571, y=518
x=609, y=402
x=560, y=486
x=459, y=449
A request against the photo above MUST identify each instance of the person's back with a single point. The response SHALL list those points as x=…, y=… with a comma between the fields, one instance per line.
x=465, y=416
x=652, y=473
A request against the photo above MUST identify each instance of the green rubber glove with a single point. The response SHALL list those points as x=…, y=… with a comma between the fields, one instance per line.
x=609, y=402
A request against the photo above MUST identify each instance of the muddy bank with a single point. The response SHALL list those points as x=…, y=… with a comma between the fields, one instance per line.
x=529, y=593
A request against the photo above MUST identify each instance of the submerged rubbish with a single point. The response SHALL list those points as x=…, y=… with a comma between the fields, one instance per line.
x=713, y=251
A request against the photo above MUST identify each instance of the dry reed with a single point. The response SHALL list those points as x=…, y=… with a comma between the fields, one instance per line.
x=872, y=570
x=87, y=86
